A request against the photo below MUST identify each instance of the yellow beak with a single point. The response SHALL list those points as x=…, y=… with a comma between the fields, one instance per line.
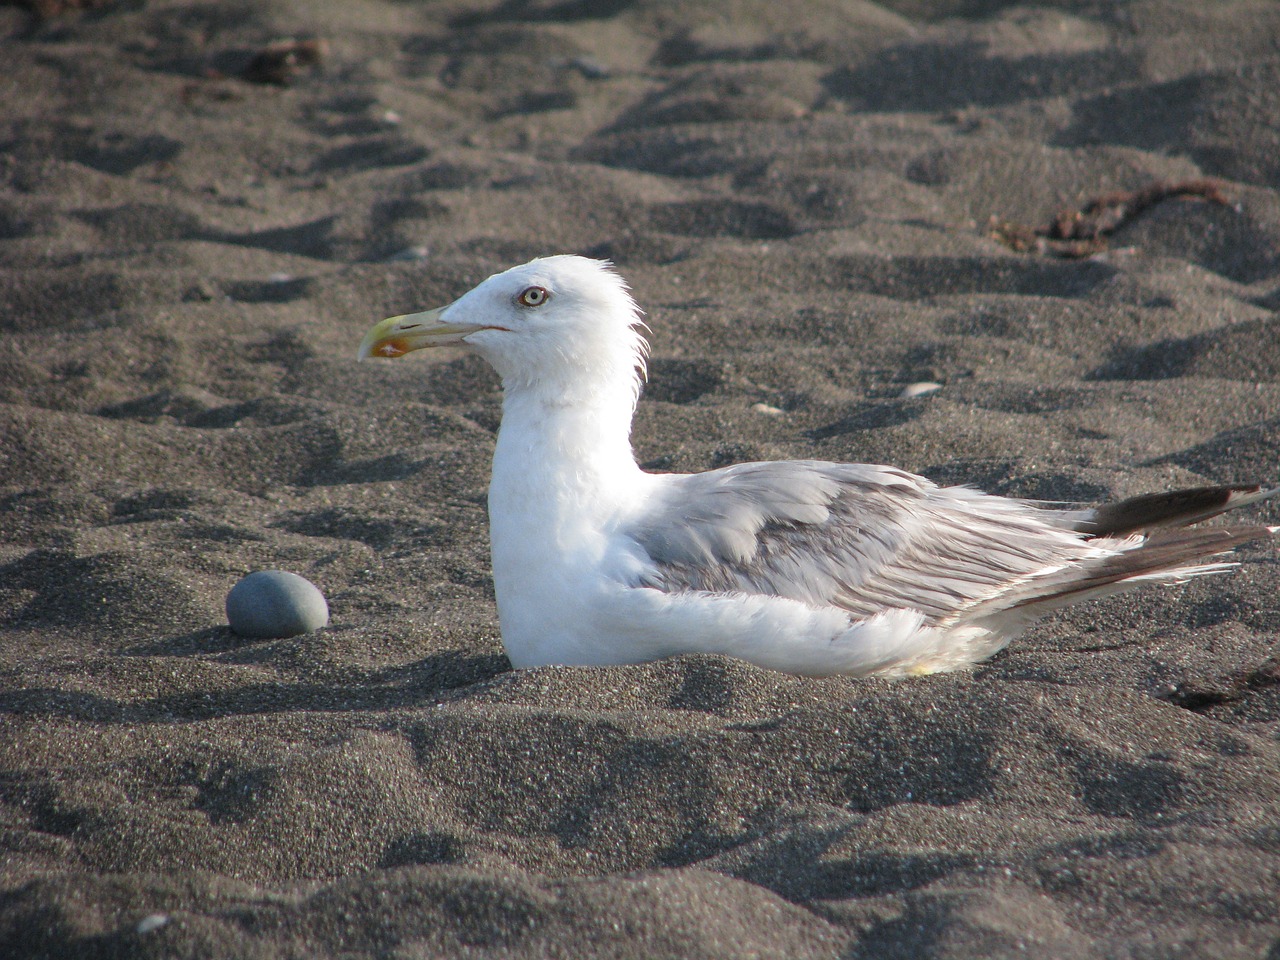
x=396, y=336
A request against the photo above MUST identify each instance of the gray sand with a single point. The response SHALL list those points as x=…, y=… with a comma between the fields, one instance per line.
x=800, y=198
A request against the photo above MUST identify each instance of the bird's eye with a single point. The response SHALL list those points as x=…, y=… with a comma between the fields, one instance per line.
x=532, y=297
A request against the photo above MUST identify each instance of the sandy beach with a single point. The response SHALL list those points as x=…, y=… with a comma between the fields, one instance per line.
x=204, y=206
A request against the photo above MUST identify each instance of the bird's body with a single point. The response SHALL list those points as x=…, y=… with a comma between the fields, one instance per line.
x=802, y=566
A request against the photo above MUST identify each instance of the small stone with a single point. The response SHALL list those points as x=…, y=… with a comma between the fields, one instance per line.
x=201, y=290
x=410, y=254
x=590, y=68
x=919, y=389
x=282, y=61
x=768, y=409
x=151, y=923
x=275, y=603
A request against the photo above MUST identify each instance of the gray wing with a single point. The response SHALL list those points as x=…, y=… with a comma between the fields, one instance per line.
x=864, y=538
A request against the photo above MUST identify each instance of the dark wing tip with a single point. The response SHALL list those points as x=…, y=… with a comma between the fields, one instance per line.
x=1177, y=508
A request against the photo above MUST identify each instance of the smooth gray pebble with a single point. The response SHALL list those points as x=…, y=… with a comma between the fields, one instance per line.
x=276, y=603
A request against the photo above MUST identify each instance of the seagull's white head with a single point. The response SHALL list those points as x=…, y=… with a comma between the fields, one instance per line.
x=565, y=326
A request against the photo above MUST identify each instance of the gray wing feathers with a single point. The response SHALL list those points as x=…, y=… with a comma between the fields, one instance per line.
x=860, y=537
x=715, y=517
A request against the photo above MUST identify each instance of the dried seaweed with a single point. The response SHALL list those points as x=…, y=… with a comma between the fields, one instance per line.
x=1085, y=231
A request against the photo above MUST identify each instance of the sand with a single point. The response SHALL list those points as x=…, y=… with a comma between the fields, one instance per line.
x=800, y=195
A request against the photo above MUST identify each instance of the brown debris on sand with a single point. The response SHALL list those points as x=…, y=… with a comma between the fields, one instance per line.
x=1084, y=231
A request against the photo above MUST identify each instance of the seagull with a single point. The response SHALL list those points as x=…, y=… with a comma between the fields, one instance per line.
x=801, y=566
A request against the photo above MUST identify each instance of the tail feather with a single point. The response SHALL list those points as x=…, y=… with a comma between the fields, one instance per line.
x=1167, y=556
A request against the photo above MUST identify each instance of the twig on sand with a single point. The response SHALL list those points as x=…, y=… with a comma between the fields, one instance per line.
x=1084, y=232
